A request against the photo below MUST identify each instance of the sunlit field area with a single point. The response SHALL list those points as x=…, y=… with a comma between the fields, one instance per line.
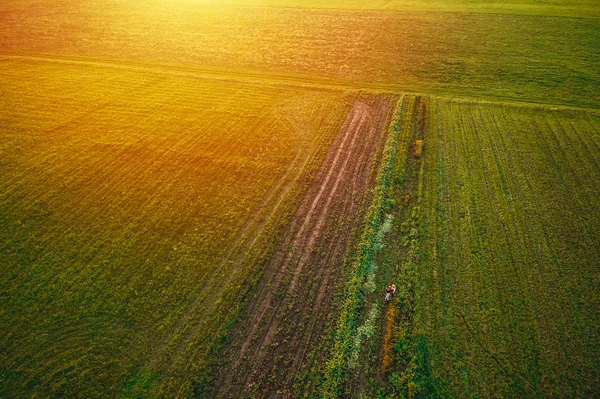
x=541, y=58
x=136, y=206
x=208, y=198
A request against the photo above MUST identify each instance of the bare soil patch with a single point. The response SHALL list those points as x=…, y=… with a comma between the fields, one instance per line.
x=287, y=315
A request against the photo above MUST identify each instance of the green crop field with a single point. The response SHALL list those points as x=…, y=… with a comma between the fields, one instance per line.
x=207, y=198
x=498, y=256
x=509, y=303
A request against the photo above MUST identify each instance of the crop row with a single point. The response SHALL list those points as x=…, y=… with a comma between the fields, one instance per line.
x=508, y=304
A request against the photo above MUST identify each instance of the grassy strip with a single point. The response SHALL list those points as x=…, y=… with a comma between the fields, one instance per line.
x=398, y=360
x=347, y=325
x=405, y=351
x=409, y=378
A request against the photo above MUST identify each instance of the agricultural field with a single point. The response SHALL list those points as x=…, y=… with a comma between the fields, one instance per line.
x=510, y=300
x=533, y=58
x=495, y=253
x=207, y=198
x=286, y=323
x=135, y=206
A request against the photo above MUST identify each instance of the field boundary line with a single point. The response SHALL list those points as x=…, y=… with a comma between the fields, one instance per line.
x=293, y=80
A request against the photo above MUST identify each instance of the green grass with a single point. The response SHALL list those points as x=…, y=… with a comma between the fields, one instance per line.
x=137, y=209
x=507, y=303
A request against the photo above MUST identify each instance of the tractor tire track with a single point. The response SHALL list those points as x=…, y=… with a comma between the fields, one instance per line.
x=245, y=238
x=309, y=259
x=295, y=241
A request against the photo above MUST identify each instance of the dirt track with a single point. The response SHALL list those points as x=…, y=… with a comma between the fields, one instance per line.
x=288, y=312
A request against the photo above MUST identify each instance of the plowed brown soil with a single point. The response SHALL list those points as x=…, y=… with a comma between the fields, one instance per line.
x=287, y=315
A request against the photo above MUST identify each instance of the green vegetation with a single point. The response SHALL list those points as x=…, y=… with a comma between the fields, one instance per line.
x=344, y=350
x=394, y=250
x=505, y=298
x=136, y=211
x=157, y=158
x=510, y=253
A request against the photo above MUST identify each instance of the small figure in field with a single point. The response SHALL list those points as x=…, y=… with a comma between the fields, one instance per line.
x=390, y=290
x=406, y=199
